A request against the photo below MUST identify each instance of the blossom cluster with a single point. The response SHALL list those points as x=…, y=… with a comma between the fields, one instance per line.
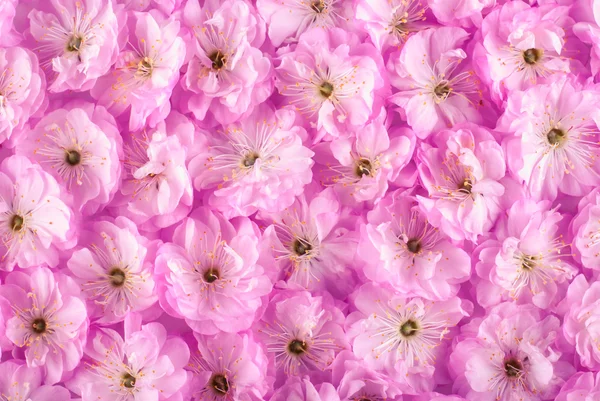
x=299, y=200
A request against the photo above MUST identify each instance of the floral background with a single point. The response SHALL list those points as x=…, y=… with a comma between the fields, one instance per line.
x=299, y=200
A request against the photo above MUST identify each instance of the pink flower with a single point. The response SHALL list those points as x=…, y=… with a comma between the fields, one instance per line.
x=330, y=78
x=209, y=273
x=526, y=262
x=22, y=89
x=289, y=19
x=157, y=189
x=146, y=73
x=256, y=164
x=229, y=75
x=77, y=40
x=465, y=13
x=588, y=31
x=582, y=386
x=8, y=34
x=148, y=365
x=113, y=266
x=311, y=244
x=581, y=327
x=81, y=147
x=355, y=381
x=586, y=230
x=34, y=221
x=44, y=314
x=302, y=332
x=436, y=88
x=523, y=44
x=231, y=366
x=301, y=389
x=361, y=167
x=511, y=357
x=19, y=382
x=400, y=247
x=554, y=139
x=390, y=23
x=401, y=337
x=461, y=171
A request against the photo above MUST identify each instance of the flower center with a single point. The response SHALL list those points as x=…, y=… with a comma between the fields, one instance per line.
x=220, y=384
x=317, y=6
x=465, y=186
x=39, y=326
x=211, y=275
x=301, y=247
x=326, y=89
x=249, y=159
x=127, y=381
x=528, y=262
x=409, y=328
x=117, y=277
x=414, y=245
x=442, y=90
x=513, y=367
x=297, y=347
x=532, y=56
x=218, y=60
x=145, y=67
x=16, y=223
x=74, y=44
x=363, y=167
x=556, y=136
x=72, y=157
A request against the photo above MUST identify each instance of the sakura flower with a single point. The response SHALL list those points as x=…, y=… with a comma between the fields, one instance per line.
x=44, y=315
x=302, y=389
x=312, y=244
x=146, y=365
x=228, y=74
x=580, y=324
x=8, y=35
x=19, y=382
x=400, y=247
x=401, y=337
x=512, y=356
x=81, y=147
x=436, y=88
x=146, y=72
x=34, y=221
x=257, y=164
x=354, y=381
x=330, y=79
x=527, y=261
x=390, y=23
x=209, y=273
x=302, y=333
x=461, y=171
x=554, y=141
x=582, y=386
x=289, y=19
x=113, y=266
x=76, y=40
x=22, y=88
x=465, y=13
x=524, y=45
x=362, y=166
x=228, y=366
x=157, y=188
x=588, y=31
x=586, y=229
